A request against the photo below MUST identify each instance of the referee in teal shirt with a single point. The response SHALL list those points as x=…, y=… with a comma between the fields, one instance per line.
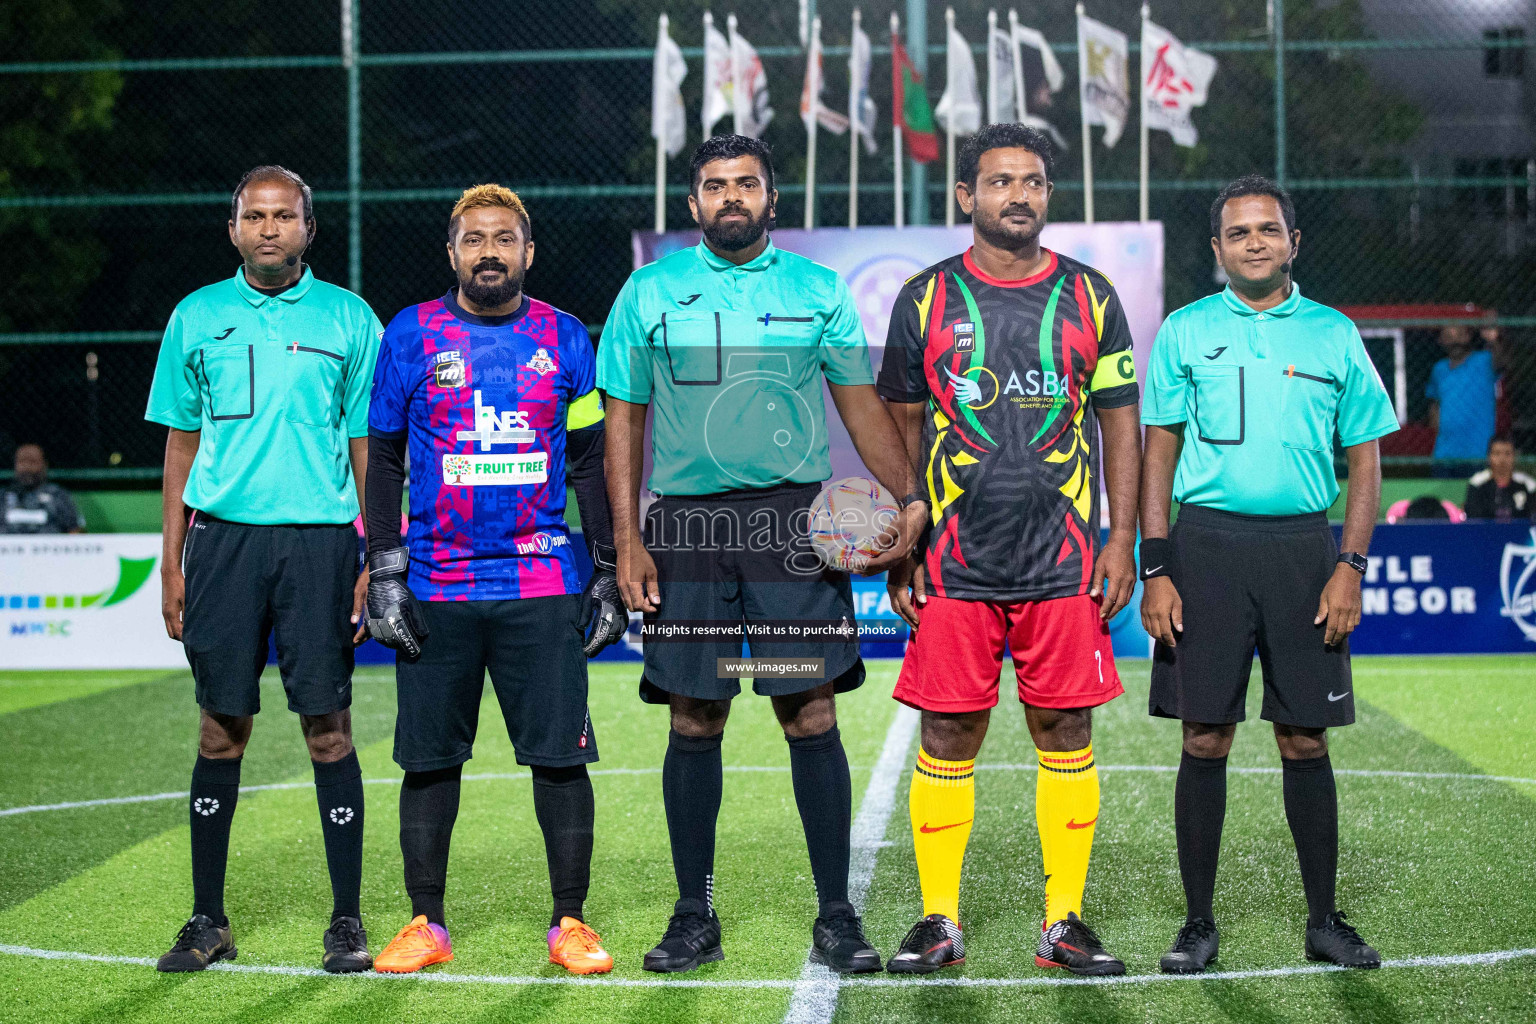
x=727, y=343
x=263, y=381
x=1246, y=391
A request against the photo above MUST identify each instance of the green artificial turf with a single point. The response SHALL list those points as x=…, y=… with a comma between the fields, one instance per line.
x=1428, y=866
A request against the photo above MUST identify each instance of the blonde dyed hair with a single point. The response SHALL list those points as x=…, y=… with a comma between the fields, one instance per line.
x=490, y=195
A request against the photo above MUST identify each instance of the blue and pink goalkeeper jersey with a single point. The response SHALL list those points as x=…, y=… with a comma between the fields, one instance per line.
x=483, y=403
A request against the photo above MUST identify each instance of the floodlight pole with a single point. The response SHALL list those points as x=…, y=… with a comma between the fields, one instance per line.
x=349, y=52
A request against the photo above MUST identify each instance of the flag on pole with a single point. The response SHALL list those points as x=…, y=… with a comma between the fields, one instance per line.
x=1002, y=75
x=668, y=119
x=959, y=109
x=750, y=93
x=909, y=107
x=815, y=84
x=1104, y=55
x=717, y=75
x=1031, y=38
x=1178, y=79
x=861, y=109
x=1037, y=65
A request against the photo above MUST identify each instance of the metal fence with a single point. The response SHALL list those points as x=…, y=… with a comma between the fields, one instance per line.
x=1402, y=126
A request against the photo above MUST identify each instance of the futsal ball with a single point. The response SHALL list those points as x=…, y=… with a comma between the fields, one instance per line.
x=847, y=517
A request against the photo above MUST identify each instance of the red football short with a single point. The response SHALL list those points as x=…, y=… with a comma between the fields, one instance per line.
x=1061, y=654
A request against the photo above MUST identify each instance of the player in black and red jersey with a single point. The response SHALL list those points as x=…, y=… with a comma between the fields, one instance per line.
x=1003, y=365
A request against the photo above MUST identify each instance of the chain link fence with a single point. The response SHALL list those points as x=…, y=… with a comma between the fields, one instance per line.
x=1403, y=127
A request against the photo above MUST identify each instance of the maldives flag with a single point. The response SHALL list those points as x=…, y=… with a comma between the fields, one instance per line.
x=909, y=107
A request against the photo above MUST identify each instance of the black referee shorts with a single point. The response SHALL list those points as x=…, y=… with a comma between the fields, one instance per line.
x=246, y=584
x=532, y=648
x=737, y=559
x=1246, y=582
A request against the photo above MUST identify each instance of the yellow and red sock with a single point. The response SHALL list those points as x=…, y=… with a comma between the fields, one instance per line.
x=943, y=805
x=1066, y=807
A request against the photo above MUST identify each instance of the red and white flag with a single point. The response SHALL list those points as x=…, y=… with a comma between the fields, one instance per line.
x=1177, y=79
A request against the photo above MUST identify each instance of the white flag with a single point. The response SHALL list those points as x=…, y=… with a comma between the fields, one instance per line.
x=815, y=84
x=749, y=97
x=1055, y=78
x=668, y=119
x=1103, y=56
x=717, y=75
x=1178, y=80
x=1000, y=87
x=861, y=109
x=960, y=106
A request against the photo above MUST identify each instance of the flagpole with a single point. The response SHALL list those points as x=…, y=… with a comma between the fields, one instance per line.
x=896, y=130
x=730, y=28
x=949, y=130
x=661, y=147
x=1019, y=109
x=1146, y=13
x=855, y=118
x=1082, y=77
x=813, y=76
x=709, y=23
x=991, y=61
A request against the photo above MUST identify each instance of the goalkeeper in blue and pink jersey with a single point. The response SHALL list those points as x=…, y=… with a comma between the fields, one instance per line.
x=491, y=393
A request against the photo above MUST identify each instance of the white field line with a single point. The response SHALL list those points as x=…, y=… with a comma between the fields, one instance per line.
x=606, y=981
x=480, y=777
x=514, y=776
x=814, y=999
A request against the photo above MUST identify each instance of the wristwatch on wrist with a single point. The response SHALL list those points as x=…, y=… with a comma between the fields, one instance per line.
x=1355, y=562
x=912, y=499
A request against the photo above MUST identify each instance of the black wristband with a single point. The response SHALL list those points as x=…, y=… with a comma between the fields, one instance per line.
x=1156, y=557
x=912, y=499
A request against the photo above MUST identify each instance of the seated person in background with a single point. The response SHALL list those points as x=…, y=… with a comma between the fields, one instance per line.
x=32, y=504
x=1461, y=396
x=1425, y=508
x=1499, y=492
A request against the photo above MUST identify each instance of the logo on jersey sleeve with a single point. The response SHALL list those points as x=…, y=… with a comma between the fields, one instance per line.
x=492, y=427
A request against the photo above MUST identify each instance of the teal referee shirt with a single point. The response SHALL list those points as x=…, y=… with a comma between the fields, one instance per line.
x=731, y=360
x=276, y=385
x=1262, y=396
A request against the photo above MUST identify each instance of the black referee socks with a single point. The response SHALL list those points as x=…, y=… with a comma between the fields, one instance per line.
x=339, y=791
x=823, y=792
x=691, y=783
x=429, y=805
x=562, y=801
x=1199, y=810
x=215, y=789
x=1312, y=809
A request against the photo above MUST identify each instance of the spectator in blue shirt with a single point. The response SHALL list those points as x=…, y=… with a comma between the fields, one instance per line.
x=1461, y=396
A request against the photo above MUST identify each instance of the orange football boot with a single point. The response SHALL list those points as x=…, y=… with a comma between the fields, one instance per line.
x=577, y=948
x=418, y=945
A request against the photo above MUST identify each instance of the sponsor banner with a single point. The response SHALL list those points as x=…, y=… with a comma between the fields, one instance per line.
x=1449, y=588
x=93, y=601
x=83, y=601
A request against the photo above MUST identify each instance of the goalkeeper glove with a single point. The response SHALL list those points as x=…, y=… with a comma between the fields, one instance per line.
x=395, y=617
x=604, y=618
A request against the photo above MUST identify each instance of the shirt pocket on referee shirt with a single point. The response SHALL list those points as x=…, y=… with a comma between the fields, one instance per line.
x=313, y=381
x=1309, y=402
x=797, y=339
x=1220, y=403
x=229, y=373
x=691, y=345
